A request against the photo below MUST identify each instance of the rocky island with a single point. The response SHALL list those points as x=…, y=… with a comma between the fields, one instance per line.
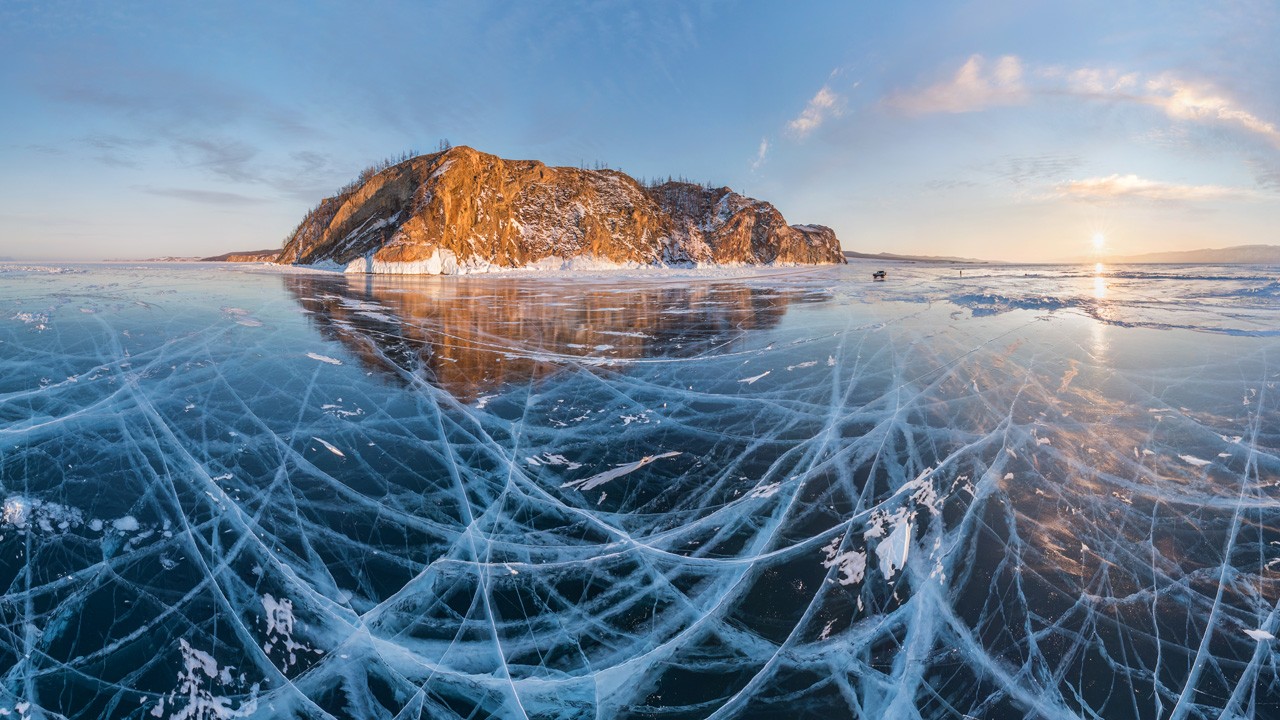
x=461, y=210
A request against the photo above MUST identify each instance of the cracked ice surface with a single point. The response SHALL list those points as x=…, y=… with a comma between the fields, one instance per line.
x=1027, y=492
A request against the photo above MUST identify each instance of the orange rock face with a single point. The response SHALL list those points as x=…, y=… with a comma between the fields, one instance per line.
x=463, y=208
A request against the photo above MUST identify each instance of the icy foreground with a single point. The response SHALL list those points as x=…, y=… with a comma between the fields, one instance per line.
x=235, y=493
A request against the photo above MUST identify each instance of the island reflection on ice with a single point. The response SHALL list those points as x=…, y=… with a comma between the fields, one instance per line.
x=792, y=494
x=470, y=336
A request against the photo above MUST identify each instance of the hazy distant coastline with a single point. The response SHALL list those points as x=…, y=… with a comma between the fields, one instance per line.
x=853, y=255
x=1243, y=254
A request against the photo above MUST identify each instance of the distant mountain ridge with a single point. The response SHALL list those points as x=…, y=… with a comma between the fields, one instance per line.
x=918, y=258
x=1237, y=254
x=245, y=256
x=462, y=210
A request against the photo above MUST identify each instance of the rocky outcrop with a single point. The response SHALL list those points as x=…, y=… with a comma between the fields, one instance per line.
x=461, y=210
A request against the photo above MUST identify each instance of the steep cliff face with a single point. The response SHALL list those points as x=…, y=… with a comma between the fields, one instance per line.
x=462, y=209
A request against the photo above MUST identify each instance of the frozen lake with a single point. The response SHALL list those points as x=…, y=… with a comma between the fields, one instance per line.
x=1036, y=491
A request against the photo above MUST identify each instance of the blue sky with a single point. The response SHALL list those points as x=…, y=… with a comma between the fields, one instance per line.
x=1004, y=130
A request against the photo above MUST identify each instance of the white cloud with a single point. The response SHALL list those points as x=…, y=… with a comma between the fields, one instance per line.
x=1102, y=82
x=1120, y=188
x=761, y=153
x=981, y=83
x=821, y=107
x=1266, y=174
x=976, y=85
x=1203, y=103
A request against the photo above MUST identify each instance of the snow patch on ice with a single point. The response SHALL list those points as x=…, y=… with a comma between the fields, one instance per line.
x=597, y=480
x=280, y=625
x=329, y=446
x=892, y=551
x=642, y=418
x=339, y=411
x=194, y=698
x=23, y=513
x=851, y=564
x=126, y=523
x=38, y=321
x=764, y=491
x=553, y=460
x=8, y=269
x=324, y=358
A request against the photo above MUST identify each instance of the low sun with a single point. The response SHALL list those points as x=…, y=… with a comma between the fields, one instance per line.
x=1099, y=241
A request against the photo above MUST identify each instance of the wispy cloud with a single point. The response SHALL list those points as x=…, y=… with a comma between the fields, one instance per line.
x=224, y=157
x=978, y=84
x=949, y=184
x=159, y=98
x=1024, y=170
x=309, y=175
x=1029, y=174
x=1182, y=100
x=981, y=83
x=43, y=149
x=208, y=197
x=821, y=107
x=116, y=150
x=1266, y=174
x=761, y=153
x=1126, y=188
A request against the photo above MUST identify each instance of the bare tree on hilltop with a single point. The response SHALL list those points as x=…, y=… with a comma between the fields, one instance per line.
x=651, y=183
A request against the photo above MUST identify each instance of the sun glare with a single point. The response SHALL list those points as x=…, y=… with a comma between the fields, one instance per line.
x=1099, y=241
